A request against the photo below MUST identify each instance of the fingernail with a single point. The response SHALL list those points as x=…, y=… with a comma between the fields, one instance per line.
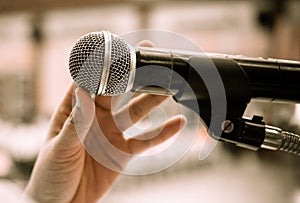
x=183, y=122
x=146, y=43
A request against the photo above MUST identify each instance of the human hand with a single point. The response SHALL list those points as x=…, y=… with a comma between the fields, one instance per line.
x=65, y=171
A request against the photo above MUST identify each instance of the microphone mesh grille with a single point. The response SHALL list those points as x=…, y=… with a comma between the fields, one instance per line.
x=86, y=61
x=86, y=64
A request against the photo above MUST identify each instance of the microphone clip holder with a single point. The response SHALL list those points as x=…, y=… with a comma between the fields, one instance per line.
x=244, y=132
x=253, y=133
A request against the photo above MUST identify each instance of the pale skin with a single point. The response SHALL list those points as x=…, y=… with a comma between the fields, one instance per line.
x=65, y=171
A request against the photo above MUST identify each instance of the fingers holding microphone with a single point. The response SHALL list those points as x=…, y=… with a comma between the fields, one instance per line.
x=106, y=136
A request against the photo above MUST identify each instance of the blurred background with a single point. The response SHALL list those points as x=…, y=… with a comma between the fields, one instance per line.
x=35, y=41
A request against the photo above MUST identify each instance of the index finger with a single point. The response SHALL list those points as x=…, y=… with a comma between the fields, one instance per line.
x=138, y=108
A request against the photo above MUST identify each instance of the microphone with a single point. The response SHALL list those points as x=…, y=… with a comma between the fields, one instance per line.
x=104, y=64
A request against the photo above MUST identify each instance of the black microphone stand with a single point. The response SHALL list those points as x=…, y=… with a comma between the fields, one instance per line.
x=251, y=133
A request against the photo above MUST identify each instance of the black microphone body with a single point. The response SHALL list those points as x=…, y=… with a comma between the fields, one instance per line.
x=243, y=77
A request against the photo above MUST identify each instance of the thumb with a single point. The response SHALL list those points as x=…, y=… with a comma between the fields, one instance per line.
x=79, y=122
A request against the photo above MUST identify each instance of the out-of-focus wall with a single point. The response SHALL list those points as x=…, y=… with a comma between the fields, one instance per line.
x=16, y=55
x=217, y=26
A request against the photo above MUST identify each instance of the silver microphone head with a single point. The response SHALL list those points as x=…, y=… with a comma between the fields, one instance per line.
x=102, y=64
